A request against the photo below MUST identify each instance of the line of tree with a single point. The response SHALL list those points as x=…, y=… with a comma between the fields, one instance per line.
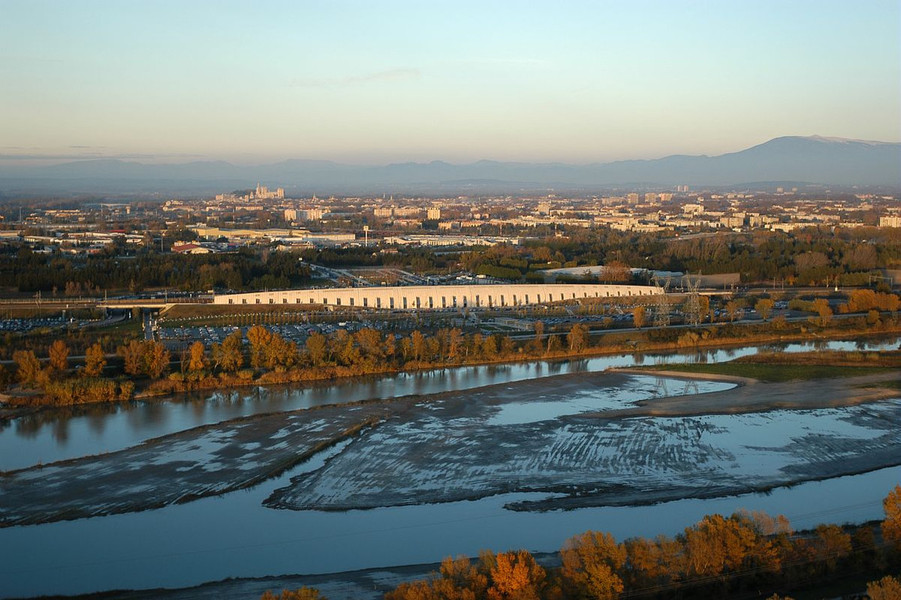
x=811, y=256
x=716, y=557
x=263, y=356
x=66, y=275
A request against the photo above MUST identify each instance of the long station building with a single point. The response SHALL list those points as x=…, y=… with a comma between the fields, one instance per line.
x=437, y=297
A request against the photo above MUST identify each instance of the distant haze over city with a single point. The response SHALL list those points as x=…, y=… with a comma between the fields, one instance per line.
x=378, y=83
x=804, y=160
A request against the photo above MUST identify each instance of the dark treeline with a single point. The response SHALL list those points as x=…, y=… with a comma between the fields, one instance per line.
x=65, y=275
x=748, y=554
x=811, y=256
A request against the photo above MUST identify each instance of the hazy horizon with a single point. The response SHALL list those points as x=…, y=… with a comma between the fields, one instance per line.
x=376, y=83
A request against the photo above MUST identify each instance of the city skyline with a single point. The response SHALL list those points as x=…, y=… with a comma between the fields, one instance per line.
x=400, y=81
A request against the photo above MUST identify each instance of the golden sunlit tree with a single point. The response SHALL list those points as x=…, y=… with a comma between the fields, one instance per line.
x=196, y=357
x=28, y=368
x=887, y=588
x=516, y=576
x=59, y=356
x=891, y=526
x=590, y=564
x=94, y=360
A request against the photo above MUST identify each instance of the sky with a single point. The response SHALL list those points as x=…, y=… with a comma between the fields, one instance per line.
x=379, y=81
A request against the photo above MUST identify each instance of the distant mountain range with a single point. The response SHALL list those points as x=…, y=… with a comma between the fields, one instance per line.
x=787, y=160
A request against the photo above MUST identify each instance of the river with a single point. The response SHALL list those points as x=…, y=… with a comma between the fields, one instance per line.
x=235, y=536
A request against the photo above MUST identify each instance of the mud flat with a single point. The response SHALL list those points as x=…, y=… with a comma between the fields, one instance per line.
x=639, y=448
x=192, y=464
x=597, y=439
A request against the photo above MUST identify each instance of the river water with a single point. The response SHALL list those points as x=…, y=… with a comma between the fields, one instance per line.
x=51, y=436
x=235, y=536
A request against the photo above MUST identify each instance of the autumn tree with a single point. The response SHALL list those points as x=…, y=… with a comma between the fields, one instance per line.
x=824, y=312
x=590, y=565
x=554, y=345
x=370, y=343
x=343, y=348
x=577, y=338
x=229, y=356
x=717, y=544
x=832, y=544
x=259, y=338
x=317, y=349
x=461, y=576
x=28, y=368
x=616, y=271
x=454, y=344
x=196, y=357
x=887, y=588
x=418, y=345
x=516, y=576
x=133, y=356
x=654, y=562
x=891, y=526
x=732, y=309
x=303, y=593
x=536, y=345
x=764, y=308
x=156, y=359
x=94, y=360
x=490, y=347
x=861, y=300
x=59, y=356
x=639, y=316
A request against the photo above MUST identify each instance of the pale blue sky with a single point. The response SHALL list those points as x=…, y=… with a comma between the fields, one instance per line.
x=379, y=81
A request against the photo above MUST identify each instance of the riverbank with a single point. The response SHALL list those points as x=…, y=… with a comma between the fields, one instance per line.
x=635, y=342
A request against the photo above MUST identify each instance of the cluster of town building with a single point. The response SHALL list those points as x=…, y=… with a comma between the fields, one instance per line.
x=265, y=215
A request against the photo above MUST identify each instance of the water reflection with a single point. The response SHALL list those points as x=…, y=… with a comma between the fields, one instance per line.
x=234, y=536
x=77, y=431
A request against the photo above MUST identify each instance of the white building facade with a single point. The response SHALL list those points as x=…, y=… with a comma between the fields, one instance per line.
x=439, y=297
